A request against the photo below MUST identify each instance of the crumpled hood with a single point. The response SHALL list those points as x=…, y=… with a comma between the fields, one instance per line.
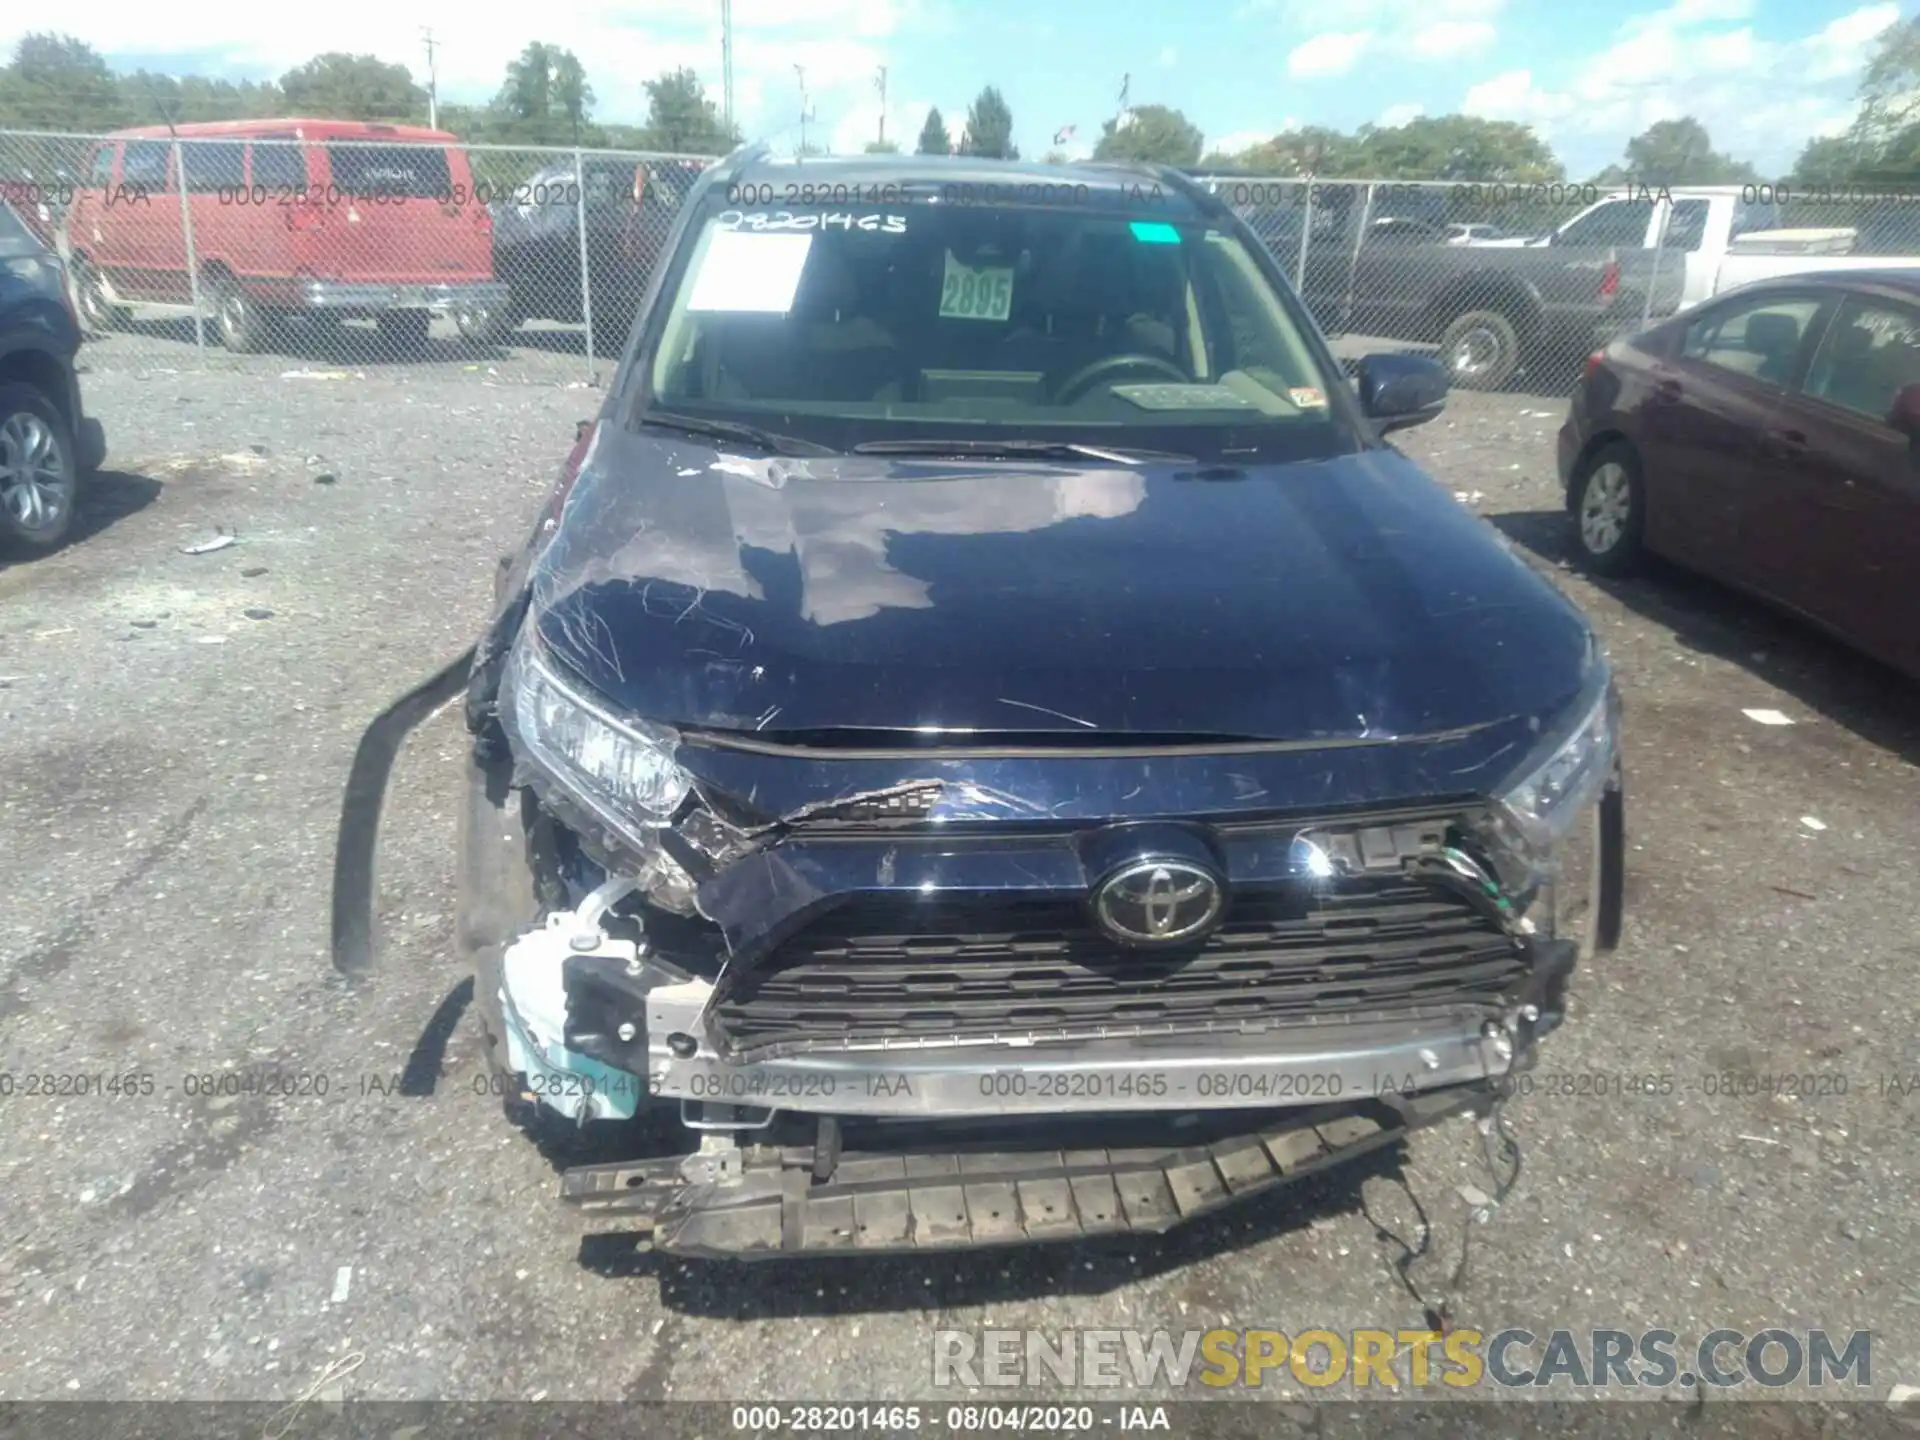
x=1342, y=598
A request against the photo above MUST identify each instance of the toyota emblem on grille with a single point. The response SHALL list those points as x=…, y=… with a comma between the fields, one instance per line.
x=1159, y=902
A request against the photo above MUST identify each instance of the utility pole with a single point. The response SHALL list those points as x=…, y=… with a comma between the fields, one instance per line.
x=433, y=88
x=726, y=60
x=883, y=107
x=801, y=71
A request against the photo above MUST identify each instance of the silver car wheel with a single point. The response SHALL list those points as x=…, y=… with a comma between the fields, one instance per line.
x=35, y=486
x=1605, y=508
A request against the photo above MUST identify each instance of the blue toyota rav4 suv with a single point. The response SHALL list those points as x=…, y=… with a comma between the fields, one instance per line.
x=986, y=742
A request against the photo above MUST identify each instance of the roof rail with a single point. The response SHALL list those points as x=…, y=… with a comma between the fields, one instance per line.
x=1202, y=198
x=741, y=156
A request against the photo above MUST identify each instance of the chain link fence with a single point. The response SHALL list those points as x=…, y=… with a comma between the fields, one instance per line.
x=410, y=250
x=1503, y=279
x=355, y=251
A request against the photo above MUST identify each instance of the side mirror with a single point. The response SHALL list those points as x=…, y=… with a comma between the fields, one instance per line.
x=1905, y=415
x=1400, y=391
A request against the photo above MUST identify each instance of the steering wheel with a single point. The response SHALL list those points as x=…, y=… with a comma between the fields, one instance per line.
x=1082, y=379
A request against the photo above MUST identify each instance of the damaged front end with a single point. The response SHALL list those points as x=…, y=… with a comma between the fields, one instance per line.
x=881, y=991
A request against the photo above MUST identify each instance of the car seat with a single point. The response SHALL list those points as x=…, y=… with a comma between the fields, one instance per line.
x=1775, y=339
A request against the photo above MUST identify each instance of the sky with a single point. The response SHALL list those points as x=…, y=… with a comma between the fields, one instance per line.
x=1762, y=75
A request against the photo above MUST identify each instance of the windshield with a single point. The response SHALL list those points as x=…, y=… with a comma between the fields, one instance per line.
x=847, y=325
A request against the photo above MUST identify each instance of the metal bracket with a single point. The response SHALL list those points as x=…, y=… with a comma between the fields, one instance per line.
x=717, y=1160
x=705, y=1115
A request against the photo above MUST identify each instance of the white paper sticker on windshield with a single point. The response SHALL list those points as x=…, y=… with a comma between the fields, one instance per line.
x=969, y=294
x=1308, y=398
x=744, y=272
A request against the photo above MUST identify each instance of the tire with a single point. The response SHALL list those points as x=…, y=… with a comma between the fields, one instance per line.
x=240, y=323
x=39, y=477
x=405, y=330
x=1609, y=507
x=483, y=327
x=1481, y=350
x=90, y=299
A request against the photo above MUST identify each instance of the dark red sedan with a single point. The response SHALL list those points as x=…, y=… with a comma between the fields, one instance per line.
x=1770, y=438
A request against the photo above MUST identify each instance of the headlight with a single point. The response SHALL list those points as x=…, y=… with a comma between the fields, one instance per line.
x=1567, y=773
x=620, y=769
x=1542, y=832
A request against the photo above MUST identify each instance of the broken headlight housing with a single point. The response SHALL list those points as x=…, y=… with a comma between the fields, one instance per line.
x=1542, y=832
x=618, y=772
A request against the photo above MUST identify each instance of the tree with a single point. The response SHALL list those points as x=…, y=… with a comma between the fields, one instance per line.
x=544, y=100
x=1883, y=144
x=933, y=136
x=1680, y=152
x=527, y=93
x=1456, y=147
x=1153, y=134
x=571, y=92
x=1829, y=160
x=682, y=120
x=1890, y=90
x=194, y=97
x=1311, y=150
x=337, y=86
x=1054, y=157
x=882, y=147
x=56, y=82
x=989, y=131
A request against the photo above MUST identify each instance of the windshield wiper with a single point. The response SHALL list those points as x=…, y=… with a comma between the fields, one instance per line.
x=1018, y=449
x=733, y=430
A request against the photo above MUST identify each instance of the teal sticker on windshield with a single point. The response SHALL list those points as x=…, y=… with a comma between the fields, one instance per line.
x=1155, y=232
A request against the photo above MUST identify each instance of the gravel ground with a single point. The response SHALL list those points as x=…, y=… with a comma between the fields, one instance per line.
x=174, y=732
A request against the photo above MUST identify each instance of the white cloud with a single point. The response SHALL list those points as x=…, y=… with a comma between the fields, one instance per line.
x=1168, y=57
x=1328, y=54
x=1395, y=116
x=1384, y=15
x=1448, y=39
x=1423, y=29
x=1694, y=12
x=1758, y=98
x=1840, y=49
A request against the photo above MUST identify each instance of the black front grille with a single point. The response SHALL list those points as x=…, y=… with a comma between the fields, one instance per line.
x=892, y=970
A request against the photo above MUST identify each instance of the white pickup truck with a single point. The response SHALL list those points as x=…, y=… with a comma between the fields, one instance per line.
x=1719, y=235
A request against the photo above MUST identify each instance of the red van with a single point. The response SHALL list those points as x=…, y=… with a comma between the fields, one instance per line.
x=321, y=218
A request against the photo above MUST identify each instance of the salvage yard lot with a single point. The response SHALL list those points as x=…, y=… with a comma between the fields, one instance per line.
x=174, y=733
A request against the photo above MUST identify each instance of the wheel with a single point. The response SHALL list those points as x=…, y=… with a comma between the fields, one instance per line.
x=405, y=330
x=483, y=325
x=39, y=480
x=90, y=299
x=241, y=325
x=1481, y=350
x=1609, y=509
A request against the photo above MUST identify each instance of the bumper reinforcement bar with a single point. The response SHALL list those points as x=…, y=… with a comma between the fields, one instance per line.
x=878, y=1203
